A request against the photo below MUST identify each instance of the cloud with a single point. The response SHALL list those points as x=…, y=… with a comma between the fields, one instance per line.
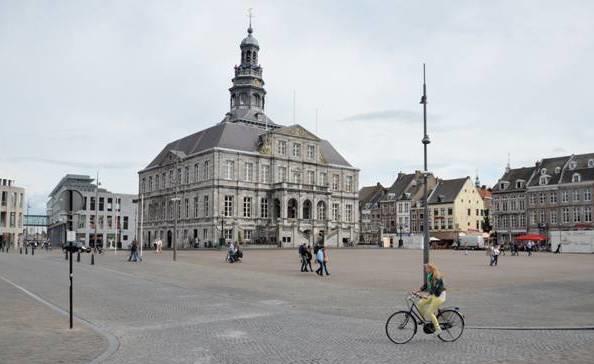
x=383, y=115
x=74, y=164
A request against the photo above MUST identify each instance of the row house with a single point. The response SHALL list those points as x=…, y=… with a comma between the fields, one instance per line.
x=456, y=208
x=401, y=199
x=370, y=213
x=555, y=194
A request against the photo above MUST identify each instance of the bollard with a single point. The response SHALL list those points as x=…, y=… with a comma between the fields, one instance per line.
x=92, y=259
x=21, y=250
x=26, y=250
x=65, y=252
x=32, y=250
x=78, y=256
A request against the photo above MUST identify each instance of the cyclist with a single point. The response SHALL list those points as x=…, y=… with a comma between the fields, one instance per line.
x=434, y=295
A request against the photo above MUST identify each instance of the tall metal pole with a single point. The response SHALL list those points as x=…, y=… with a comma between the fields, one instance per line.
x=425, y=142
x=69, y=228
x=96, y=217
x=175, y=208
x=141, y=222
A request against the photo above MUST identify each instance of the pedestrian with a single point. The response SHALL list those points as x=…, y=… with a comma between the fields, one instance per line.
x=308, y=257
x=491, y=254
x=529, y=247
x=496, y=253
x=558, y=250
x=303, y=258
x=132, y=257
x=320, y=260
x=325, y=260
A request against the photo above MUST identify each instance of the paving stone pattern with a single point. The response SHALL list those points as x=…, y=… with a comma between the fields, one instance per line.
x=202, y=310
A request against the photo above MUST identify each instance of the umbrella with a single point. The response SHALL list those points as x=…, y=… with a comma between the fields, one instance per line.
x=533, y=237
x=433, y=239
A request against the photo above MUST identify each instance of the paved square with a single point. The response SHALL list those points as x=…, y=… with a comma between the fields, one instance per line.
x=203, y=310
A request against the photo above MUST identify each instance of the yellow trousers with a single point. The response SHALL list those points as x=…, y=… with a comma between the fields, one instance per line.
x=428, y=307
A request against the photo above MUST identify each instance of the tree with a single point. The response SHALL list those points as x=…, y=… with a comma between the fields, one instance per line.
x=486, y=224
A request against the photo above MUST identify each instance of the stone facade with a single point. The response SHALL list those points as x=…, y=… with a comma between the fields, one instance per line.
x=456, y=207
x=554, y=195
x=250, y=180
x=116, y=214
x=12, y=200
x=370, y=214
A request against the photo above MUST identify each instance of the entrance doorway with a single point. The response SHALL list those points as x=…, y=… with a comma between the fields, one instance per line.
x=169, y=239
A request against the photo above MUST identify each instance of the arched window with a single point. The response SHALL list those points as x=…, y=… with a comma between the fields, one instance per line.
x=307, y=209
x=233, y=100
x=591, y=163
x=321, y=211
x=255, y=57
x=292, y=209
x=257, y=100
x=243, y=57
x=249, y=57
x=576, y=177
x=243, y=99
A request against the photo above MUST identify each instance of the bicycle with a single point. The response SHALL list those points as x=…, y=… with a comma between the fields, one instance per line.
x=401, y=326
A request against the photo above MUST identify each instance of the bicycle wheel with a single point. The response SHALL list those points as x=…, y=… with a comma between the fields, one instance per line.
x=401, y=327
x=452, y=325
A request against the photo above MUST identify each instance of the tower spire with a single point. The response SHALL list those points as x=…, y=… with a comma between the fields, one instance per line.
x=247, y=94
x=250, y=16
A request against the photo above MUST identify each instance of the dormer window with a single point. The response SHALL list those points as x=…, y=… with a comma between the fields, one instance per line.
x=544, y=180
x=503, y=185
x=557, y=170
x=543, y=172
x=519, y=184
x=576, y=177
x=572, y=165
x=591, y=163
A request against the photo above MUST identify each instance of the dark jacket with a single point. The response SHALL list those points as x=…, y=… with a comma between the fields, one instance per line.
x=433, y=286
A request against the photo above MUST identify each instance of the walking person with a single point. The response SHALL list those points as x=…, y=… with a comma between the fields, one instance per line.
x=491, y=254
x=325, y=260
x=529, y=247
x=132, y=256
x=496, y=253
x=303, y=258
x=320, y=260
x=308, y=258
x=558, y=250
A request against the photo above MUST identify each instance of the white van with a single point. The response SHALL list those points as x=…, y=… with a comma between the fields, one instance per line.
x=471, y=242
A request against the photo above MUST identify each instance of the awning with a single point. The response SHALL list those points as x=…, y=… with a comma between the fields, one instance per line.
x=532, y=237
x=433, y=239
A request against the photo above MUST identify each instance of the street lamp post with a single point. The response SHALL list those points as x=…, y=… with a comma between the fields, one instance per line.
x=426, y=141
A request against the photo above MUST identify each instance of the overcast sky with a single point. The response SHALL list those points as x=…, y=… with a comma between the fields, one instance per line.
x=89, y=86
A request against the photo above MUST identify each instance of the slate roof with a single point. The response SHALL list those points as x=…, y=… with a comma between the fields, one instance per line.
x=448, y=190
x=399, y=186
x=550, y=164
x=234, y=136
x=512, y=176
x=371, y=194
x=586, y=175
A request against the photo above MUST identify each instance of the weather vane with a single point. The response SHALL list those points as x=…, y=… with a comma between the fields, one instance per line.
x=250, y=15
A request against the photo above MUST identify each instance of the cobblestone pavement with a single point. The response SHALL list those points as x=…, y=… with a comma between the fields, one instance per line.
x=31, y=332
x=202, y=310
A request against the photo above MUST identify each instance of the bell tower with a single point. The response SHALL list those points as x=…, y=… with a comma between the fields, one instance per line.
x=248, y=90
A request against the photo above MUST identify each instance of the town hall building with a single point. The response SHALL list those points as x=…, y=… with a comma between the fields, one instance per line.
x=248, y=179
